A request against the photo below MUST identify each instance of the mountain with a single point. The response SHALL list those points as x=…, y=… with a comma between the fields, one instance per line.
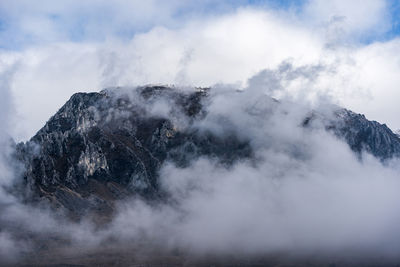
x=101, y=147
x=106, y=146
x=361, y=134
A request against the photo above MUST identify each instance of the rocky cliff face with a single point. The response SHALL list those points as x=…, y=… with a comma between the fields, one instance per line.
x=364, y=135
x=361, y=134
x=101, y=147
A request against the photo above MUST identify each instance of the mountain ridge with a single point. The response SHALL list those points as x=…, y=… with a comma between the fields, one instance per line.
x=103, y=147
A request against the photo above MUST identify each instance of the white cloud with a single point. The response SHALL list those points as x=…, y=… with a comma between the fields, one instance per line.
x=376, y=72
x=226, y=49
x=306, y=194
x=356, y=17
x=209, y=49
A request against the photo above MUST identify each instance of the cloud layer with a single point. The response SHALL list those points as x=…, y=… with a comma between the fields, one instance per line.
x=307, y=194
x=193, y=44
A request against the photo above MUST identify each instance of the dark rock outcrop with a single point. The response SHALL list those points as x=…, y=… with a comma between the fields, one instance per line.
x=101, y=147
x=104, y=146
x=364, y=135
x=361, y=134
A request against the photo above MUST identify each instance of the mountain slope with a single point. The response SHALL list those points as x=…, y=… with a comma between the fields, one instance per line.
x=102, y=147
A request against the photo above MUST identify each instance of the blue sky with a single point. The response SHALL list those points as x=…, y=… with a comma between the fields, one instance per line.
x=395, y=13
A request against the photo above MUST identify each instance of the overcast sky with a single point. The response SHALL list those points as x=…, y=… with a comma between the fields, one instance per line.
x=52, y=49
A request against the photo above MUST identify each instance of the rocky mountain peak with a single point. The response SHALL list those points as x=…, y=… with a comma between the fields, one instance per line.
x=101, y=147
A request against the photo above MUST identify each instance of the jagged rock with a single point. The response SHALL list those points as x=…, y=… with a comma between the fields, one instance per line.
x=104, y=146
x=100, y=147
x=361, y=134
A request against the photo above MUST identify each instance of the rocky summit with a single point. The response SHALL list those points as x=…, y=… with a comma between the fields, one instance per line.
x=101, y=147
x=106, y=146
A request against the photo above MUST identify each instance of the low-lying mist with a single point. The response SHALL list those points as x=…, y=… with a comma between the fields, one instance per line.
x=303, y=194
